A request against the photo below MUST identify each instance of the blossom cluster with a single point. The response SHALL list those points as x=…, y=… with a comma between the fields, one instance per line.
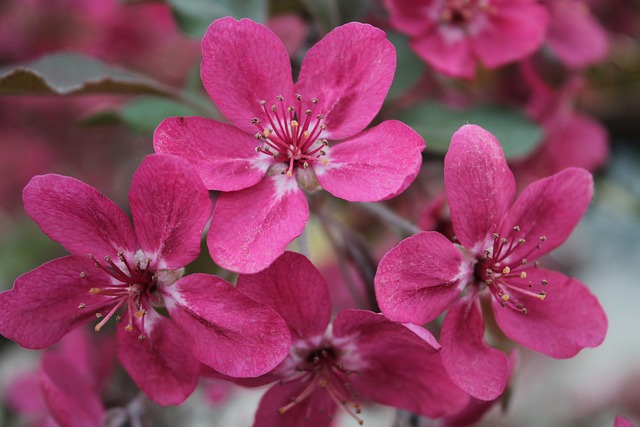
x=446, y=309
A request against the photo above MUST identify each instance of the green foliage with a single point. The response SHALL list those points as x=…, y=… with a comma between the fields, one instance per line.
x=195, y=16
x=517, y=134
x=409, y=67
x=73, y=74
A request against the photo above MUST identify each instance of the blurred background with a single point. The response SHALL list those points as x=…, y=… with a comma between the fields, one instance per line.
x=83, y=84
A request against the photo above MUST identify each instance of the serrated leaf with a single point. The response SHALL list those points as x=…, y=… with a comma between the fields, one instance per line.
x=409, y=67
x=72, y=74
x=195, y=16
x=517, y=134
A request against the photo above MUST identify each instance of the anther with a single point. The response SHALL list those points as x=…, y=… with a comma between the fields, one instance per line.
x=308, y=112
x=496, y=236
x=94, y=291
x=280, y=98
x=140, y=313
x=82, y=305
x=323, y=126
x=83, y=275
x=523, y=275
x=128, y=328
x=543, y=238
x=504, y=241
x=488, y=281
x=489, y=271
x=98, y=315
x=544, y=282
x=319, y=117
x=298, y=97
x=524, y=261
x=521, y=241
x=263, y=102
x=305, y=165
x=141, y=337
x=255, y=121
x=274, y=108
x=506, y=270
x=314, y=100
x=118, y=318
x=516, y=228
x=505, y=297
x=294, y=123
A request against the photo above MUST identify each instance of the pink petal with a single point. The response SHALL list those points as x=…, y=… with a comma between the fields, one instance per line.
x=70, y=399
x=374, y=165
x=547, y=211
x=420, y=278
x=622, y=422
x=574, y=35
x=294, y=288
x=251, y=228
x=44, y=303
x=22, y=395
x=399, y=368
x=515, y=31
x=244, y=63
x=224, y=156
x=569, y=319
x=579, y=141
x=316, y=410
x=170, y=207
x=349, y=71
x=291, y=29
x=448, y=50
x=229, y=331
x=160, y=364
x=476, y=368
x=480, y=187
x=408, y=16
x=77, y=216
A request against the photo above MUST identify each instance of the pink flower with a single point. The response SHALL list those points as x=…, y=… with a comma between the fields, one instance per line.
x=453, y=36
x=65, y=391
x=500, y=241
x=575, y=36
x=362, y=355
x=279, y=139
x=622, y=422
x=114, y=267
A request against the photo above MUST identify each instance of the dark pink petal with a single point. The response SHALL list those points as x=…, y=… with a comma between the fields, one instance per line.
x=244, y=63
x=423, y=334
x=476, y=368
x=574, y=35
x=22, y=395
x=294, y=288
x=399, y=368
x=480, y=187
x=515, y=31
x=407, y=17
x=349, y=71
x=569, y=319
x=317, y=410
x=578, y=141
x=420, y=278
x=547, y=211
x=71, y=400
x=374, y=165
x=44, y=303
x=170, y=207
x=224, y=156
x=229, y=331
x=450, y=54
x=77, y=216
x=622, y=422
x=161, y=363
x=251, y=228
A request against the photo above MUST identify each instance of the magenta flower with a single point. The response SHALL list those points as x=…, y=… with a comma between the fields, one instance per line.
x=281, y=136
x=115, y=269
x=500, y=241
x=453, y=36
x=622, y=422
x=362, y=355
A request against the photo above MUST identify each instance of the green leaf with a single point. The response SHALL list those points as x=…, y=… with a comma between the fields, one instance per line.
x=73, y=74
x=409, y=67
x=325, y=12
x=195, y=16
x=141, y=115
x=517, y=134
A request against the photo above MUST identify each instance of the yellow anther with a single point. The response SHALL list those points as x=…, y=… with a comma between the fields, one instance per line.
x=324, y=161
x=506, y=270
x=505, y=297
x=94, y=291
x=266, y=133
x=306, y=134
x=97, y=327
x=523, y=275
x=294, y=123
x=542, y=295
x=140, y=313
x=128, y=328
x=288, y=173
x=323, y=383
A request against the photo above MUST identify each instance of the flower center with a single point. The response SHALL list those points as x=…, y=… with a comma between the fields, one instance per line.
x=505, y=277
x=291, y=135
x=461, y=12
x=132, y=285
x=323, y=368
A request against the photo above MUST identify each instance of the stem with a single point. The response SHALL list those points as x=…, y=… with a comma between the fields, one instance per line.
x=387, y=215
